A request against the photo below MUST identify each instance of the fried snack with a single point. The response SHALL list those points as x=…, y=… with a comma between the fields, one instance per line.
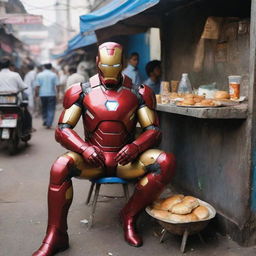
x=188, y=102
x=182, y=218
x=174, y=95
x=181, y=95
x=168, y=203
x=201, y=212
x=201, y=97
x=189, y=96
x=197, y=100
x=221, y=95
x=205, y=103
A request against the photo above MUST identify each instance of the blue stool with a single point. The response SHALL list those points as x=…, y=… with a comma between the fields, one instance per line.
x=99, y=182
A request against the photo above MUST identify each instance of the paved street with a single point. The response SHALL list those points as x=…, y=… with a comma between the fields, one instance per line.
x=23, y=190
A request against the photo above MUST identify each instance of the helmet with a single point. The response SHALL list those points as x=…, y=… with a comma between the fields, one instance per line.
x=109, y=63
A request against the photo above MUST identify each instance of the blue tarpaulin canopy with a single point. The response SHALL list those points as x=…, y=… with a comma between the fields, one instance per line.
x=82, y=40
x=106, y=16
x=113, y=12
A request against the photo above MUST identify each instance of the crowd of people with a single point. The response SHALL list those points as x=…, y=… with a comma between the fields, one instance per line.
x=44, y=86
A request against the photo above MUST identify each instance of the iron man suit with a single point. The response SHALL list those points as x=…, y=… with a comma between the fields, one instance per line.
x=110, y=109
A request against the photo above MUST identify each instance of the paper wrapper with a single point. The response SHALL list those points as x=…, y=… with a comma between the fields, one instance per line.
x=212, y=28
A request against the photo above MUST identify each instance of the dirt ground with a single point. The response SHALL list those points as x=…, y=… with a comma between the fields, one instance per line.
x=23, y=212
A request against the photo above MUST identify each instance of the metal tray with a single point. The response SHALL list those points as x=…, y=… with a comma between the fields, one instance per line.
x=212, y=213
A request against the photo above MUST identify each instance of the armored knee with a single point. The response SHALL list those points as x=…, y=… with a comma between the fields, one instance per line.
x=60, y=170
x=167, y=165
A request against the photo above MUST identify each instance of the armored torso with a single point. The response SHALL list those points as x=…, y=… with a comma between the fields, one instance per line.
x=109, y=115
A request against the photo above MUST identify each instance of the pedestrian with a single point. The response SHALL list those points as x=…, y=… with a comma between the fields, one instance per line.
x=74, y=77
x=12, y=82
x=132, y=69
x=29, y=80
x=37, y=102
x=153, y=70
x=47, y=88
x=84, y=68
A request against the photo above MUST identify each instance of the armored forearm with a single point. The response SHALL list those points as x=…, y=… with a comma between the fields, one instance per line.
x=149, y=138
x=149, y=122
x=69, y=139
x=65, y=134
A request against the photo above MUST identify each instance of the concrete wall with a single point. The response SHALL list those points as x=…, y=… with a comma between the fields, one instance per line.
x=181, y=35
x=214, y=157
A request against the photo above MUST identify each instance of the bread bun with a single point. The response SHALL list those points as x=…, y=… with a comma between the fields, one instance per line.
x=161, y=214
x=181, y=208
x=157, y=204
x=168, y=203
x=183, y=218
x=191, y=201
x=201, y=212
x=221, y=95
x=186, y=206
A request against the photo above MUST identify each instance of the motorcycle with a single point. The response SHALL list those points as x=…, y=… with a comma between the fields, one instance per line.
x=12, y=110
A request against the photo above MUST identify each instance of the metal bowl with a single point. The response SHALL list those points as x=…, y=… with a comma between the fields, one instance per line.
x=179, y=228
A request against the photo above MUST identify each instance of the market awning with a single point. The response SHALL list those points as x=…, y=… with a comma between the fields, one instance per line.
x=82, y=40
x=113, y=12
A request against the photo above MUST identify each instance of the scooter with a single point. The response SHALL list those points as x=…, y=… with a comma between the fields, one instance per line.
x=12, y=110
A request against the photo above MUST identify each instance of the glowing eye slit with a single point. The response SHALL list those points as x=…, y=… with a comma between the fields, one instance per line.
x=106, y=65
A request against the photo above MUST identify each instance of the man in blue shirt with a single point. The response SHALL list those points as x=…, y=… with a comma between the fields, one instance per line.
x=47, y=88
x=132, y=69
x=153, y=69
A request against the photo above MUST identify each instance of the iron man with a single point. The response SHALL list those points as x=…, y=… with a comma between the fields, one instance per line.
x=110, y=109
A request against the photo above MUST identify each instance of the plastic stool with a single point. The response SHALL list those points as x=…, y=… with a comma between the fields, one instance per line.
x=99, y=182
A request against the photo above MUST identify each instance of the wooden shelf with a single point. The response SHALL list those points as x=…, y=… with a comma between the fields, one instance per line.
x=230, y=112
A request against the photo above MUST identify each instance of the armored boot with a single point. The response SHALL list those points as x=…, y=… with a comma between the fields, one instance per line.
x=59, y=201
x=146, y=192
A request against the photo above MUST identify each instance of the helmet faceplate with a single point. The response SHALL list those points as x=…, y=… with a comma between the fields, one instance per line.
x=109, y=63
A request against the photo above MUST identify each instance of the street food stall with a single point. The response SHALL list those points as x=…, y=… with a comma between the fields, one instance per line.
x=214, y=145
x=213, y=42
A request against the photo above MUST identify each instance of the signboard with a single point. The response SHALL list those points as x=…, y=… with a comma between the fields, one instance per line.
x=23, y=19
x=5, y=47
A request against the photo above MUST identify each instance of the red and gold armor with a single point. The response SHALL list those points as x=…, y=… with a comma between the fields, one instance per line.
x=110, y=109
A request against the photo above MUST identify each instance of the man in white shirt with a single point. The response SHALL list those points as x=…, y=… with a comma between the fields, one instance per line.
x=10, y=81
x=74, y=77
x=29, y=80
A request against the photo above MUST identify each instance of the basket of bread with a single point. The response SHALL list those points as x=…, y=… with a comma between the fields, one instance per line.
x=178, y=213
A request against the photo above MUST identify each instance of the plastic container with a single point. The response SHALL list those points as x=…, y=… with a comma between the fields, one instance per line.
x=234, y=87
x=185, y=85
